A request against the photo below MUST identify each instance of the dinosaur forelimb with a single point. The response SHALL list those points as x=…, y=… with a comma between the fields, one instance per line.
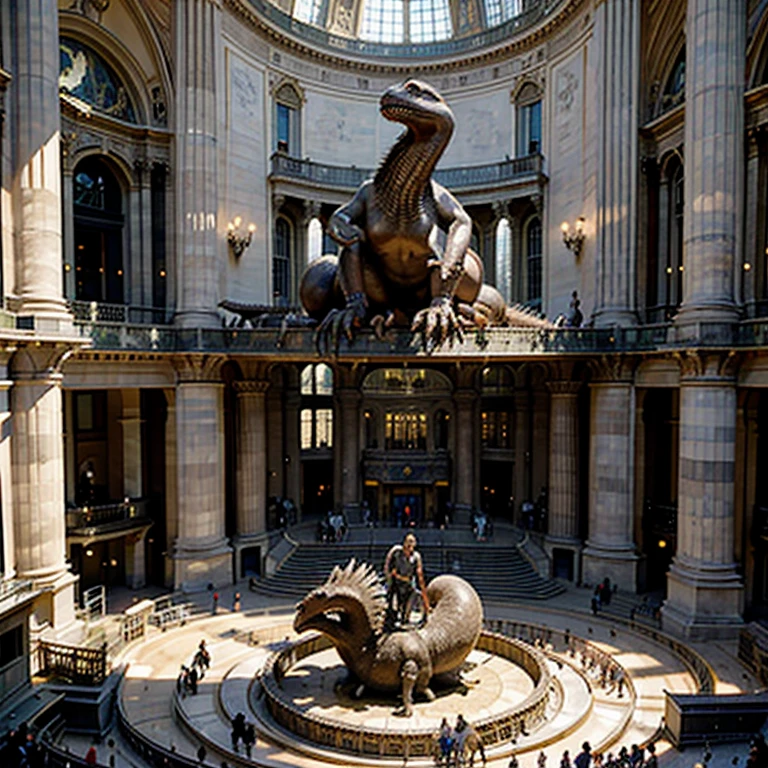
x=437, y=324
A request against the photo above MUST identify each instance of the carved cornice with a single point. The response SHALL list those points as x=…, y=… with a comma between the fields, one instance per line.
x=564, y=387
x=406, y=66
x=705, y=367
x=251, y=387
x=199, y=368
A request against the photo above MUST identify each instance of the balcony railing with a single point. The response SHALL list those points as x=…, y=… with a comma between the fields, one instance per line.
x=77, y=665
x=102, y=312
x=349, y=177
x=119, y=515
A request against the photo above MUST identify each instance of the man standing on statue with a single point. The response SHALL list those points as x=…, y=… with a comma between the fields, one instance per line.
x=402, y=563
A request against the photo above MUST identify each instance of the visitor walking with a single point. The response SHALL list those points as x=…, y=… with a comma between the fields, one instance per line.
x=249, y=738
x=584, y=758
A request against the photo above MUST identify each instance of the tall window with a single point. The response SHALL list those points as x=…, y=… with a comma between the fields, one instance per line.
x=405, y=431
x=383, y=21
x=504, y=259
x=99, y=220
x=533, y=261
x=281, y=264
x=287, y=113
x=528, y=120
x=314, y=240
x=496, y=429
x=316, y=416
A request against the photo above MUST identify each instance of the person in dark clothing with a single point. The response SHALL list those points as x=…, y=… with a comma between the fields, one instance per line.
x=249, y=738
x=584, y=758
x=192, y=681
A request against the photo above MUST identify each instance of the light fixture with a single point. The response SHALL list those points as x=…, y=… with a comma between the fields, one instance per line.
x=238, y=237
x=662, y=544
x=574, y=241
x=89, y=553
x=747, y=266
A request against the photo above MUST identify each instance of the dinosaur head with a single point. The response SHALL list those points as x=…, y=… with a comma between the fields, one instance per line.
x=347, y=608
x=417, y=106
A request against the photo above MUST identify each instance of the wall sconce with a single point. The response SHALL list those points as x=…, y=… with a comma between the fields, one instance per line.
x=574, y=241
x=237, y=237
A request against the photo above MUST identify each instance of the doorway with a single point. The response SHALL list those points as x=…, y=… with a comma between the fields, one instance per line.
x=407, y=506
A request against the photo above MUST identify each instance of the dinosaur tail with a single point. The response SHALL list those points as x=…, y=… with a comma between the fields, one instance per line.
x=518, y=316
x=454, y=624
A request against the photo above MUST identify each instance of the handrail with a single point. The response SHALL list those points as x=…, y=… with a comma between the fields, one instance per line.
x=78, y=665
x=351, y=177
x=104, y=514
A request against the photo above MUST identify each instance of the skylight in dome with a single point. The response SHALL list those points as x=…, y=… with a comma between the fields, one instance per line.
x=429, y=20
x=383, y=21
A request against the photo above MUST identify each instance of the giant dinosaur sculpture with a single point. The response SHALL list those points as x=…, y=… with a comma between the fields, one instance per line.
x=405, y=257
x=350, y=608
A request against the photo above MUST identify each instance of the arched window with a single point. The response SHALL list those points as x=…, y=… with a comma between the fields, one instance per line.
x=405, y=430
x=497, y=419
x=533, y=261
x=504, y=259
x=281, y=263
x=287, y=127
x=317, y=380
x=528, y=120
x=98, y=230
x=314, y=240
x=674, y=88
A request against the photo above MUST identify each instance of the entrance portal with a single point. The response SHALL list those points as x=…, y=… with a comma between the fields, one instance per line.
x=407, y=507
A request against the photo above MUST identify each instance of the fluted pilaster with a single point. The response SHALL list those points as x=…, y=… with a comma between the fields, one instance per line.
x=617, y=25
x=705, y=593
x=349, y=434
x=198, y=38
x=466, y=455
x=714, y=157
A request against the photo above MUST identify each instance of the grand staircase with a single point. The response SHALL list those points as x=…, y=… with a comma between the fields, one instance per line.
x=497, y=572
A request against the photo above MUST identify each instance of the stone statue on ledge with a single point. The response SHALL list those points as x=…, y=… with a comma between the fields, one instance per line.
x=405, y=258
x=350, y=610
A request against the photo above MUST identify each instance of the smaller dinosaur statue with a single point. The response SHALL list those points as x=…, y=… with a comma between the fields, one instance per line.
x=350, y=609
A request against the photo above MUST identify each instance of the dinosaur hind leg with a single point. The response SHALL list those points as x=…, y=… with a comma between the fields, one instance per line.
x=409, y=674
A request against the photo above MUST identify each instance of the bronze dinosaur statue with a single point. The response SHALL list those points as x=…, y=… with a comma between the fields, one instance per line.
x=405, y=257
x=350, y=609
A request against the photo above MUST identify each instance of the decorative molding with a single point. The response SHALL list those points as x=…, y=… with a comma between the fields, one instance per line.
x=564, y=387
x=198, y=368
x=703, y=367
x=251, y=387
x=39, y=362
x=613, y=369
x=278, y=81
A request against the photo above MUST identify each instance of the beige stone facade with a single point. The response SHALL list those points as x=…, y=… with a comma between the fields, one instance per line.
x=151, y=436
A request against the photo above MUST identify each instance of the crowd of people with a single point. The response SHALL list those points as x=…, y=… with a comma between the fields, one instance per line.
x=331, y=528
x=22, y=750
x=457, y=744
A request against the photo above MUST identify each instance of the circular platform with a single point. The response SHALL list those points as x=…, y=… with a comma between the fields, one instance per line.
x=506, y=688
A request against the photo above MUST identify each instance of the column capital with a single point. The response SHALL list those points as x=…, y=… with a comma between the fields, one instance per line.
x=198, y=368
x=465, y=396
x=612, y=369
x=311, y=211
x=564, y=387
x=708, y=367
x=251, y=387
x=38, y=362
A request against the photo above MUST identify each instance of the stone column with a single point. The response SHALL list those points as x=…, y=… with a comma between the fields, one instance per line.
x=563, y=494
x=349, y=431
x=7, y=560
x=617, y=27
x=714, y=158
x=539, y=440
x=753, y=268
x=200, y=241
x=292, y=447
x=466, y=457
x=610, y=549
x=705, y=594
x=68, y=213
x=251, y=458
x=521, y=486
x=36, y=195
x=38, y=476
x=171, y=484
x=136, y=560
x=131, y=424
x=202, y=554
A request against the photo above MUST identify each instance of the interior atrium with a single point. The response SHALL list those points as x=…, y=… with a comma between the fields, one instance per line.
x=170, y=426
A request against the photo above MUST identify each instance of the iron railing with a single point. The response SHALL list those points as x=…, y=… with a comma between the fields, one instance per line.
x=116, y=515
x=350, y=177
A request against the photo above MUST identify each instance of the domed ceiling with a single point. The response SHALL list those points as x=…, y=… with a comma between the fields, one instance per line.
x=407, y=27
